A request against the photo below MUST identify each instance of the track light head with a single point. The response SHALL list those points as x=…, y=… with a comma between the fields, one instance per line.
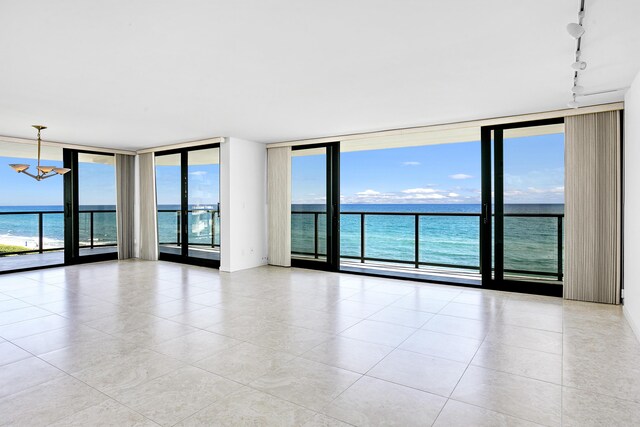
x=579, y=65
x=577, y=89
x=573, y=104
x=575, y=30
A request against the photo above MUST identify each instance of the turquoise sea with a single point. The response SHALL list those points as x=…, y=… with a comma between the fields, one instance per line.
x=22, y=229
x=530, y=243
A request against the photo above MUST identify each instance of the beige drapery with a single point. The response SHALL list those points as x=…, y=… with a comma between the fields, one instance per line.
x=148, y=214
x=593, y=207
x=125, y=188
x=279, y=201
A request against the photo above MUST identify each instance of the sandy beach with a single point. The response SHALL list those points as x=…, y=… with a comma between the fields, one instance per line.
x=30, y=242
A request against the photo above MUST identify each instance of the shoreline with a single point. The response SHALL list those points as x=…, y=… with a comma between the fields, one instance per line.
x=30, y=242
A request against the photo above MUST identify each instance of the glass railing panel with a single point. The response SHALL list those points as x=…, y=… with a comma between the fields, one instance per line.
x=201, y=228
x=168, y=227
x=308, y=234
x=390, y=237
x=18, y=232
x=451, y=241
x=84, y=229
x=53, y=230
x=105, y=230
x=531, y=246
x=350, y=235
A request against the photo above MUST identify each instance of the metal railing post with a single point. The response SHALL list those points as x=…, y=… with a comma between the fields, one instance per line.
x=417, y=240
x=362, y=238
x=315, y=234
x=213, y=229
x=178, y=228
x=91, y=228
x=560, y=254
x=40, y=232
x=480, y=245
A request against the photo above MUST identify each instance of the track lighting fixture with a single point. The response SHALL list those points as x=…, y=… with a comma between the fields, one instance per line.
x=573, y=103
x=579, y=65
x=575, y=30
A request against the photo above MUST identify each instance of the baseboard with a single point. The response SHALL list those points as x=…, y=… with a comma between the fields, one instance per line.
x=634, y=327
x=226, y=269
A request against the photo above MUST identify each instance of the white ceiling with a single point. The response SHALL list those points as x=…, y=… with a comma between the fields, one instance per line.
x=142, y=73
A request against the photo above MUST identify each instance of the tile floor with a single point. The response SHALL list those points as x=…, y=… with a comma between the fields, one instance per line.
x=154, y=343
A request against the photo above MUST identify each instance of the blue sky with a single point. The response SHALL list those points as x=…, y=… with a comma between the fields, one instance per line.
x=97, y=185
x=446, y=173
x=204, y=187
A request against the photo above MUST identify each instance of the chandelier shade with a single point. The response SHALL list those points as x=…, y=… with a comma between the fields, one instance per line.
x=43, y=171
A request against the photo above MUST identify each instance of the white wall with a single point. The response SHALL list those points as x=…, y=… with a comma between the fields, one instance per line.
x=632, y=206
x=243, y=204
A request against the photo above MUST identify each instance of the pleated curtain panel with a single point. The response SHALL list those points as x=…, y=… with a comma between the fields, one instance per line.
x=593, y=207
x=125, y=189
x=279, y=201
x=148, y=215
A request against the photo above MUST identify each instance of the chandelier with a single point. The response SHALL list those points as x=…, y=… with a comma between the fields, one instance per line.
x=43, y=171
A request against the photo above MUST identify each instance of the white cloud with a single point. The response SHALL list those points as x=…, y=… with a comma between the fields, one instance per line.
x=460, y=176
x=454, y=195
x=411, y=163
x=198, y=173
x=367, y=193
x=421, y=196
x=420, y=191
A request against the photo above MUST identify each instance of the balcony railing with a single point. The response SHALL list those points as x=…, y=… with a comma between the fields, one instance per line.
x=90, y=231
x=419, y=218
x=178, y=240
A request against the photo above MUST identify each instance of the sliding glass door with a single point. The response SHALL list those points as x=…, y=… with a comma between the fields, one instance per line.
x=187, y=189
x=90, y=207
x=523, y=207
x=315, y=209
x=97, y=227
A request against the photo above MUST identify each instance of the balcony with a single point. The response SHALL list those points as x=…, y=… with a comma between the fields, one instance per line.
x=35, y=238
x=439, y=243
x=204, y=232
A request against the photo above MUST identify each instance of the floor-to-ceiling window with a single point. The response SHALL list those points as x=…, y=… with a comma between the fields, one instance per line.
x=411, y=205
x=475, y=206
x=187, y=191
x=31, y=212
x=315, y=206
x=90, y=206
x=526, y=204
x=97, y=204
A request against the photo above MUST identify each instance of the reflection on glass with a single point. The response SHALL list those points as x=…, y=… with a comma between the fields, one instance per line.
x=97, y=204
x=203, y=217
x=202, y=226
x=168, y=190
x=309, y=204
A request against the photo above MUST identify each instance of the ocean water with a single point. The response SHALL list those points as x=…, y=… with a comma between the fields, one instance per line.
x=22, y=229
x=530, y=243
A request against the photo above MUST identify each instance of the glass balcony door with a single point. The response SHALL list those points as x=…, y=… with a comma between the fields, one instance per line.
x=315, y=209
x=203, y=199
x=523, y=207
x=187, y=190
x=90, y=207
